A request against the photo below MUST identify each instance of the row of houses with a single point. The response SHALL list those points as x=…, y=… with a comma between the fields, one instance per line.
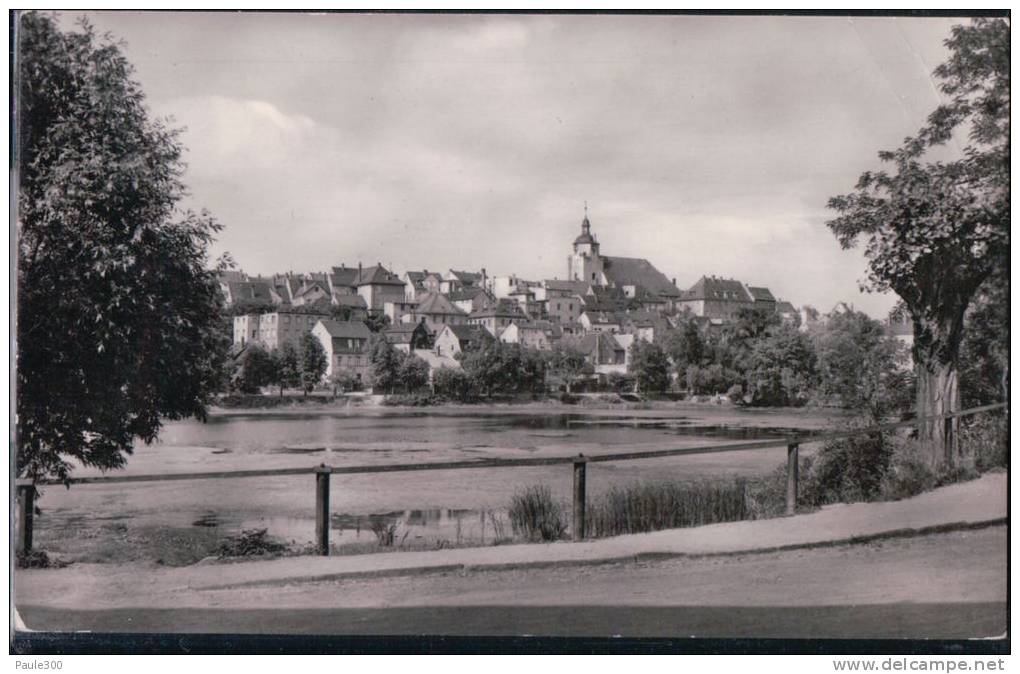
x=603, y=304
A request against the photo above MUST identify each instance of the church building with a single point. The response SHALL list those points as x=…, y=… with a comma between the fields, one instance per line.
x=635, y=277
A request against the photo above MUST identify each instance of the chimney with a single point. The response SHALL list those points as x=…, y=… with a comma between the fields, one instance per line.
x=674, y=280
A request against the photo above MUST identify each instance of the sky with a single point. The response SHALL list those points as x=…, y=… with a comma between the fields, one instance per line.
x=708, y=145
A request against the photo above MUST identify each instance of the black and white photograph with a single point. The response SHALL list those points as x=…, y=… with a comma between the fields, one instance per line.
x=504, y=332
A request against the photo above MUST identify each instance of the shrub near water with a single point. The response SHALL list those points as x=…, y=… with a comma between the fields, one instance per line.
x=650, y=506
x=535, y=516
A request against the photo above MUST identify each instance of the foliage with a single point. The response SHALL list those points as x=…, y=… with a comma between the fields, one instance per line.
x=385, y=532
x=535, y=516
x=288, y=367
x=650, y=366
x=119, y=320
x=256, y=368
x=847, y=470
x=935, y=231
x=414, y=373
x=567, y=362
x=861, y=368
x=984, y=439
x=984, y=353
x=37, y=559
x=620, y=383
x=344, y=381
x=781, y=368
x=386, y=362
x=313, y=362
x=249, y=543
x=244, y=307
x=505, y=368
x=650, y=506
x=454, y=384
x=686, y=347
x=377, y=322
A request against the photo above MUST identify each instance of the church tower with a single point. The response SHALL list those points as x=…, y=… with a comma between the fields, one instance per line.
x=585, y=264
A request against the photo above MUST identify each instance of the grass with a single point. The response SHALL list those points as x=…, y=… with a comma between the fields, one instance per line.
x=650, y=506
x=535, y=516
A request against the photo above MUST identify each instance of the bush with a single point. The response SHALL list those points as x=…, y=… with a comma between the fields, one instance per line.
x=37, y=559
x=984, y=438
x=847, y=470
x=454, y=384
x=535, y=516
x=908, y=473
x=249, y=543
x=411, y=400
x=651, y=506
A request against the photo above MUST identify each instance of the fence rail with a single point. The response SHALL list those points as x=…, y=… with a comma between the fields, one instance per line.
x=26, y=489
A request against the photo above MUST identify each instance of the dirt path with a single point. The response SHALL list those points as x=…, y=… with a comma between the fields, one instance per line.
x=940, y=586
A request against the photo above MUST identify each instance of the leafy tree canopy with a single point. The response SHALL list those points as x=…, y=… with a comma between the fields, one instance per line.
x=118, y=321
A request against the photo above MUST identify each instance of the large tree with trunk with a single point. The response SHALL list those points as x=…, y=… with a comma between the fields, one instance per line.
x=118, y=318
x=937, y=228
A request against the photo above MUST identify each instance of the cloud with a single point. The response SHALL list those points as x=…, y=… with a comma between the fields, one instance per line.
x=706, y=144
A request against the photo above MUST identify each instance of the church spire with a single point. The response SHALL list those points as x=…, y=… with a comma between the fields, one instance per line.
x=585, y=224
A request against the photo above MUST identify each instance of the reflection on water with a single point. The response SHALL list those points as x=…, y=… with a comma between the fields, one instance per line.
x=434, y=524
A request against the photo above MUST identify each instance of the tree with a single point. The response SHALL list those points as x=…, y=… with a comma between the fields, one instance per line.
x=505, y=368
x=344, y=380
x=781, y=368
x=313, y=362
x=257, y=368
x=650, y=366
x=860, y=367
x=377, y=322
x=385, y=364
x=288, y=368
x=414, y=373
x=685, y=347
x=937, y=230
x=118, y=317
x=453, y=383
x=566, y=361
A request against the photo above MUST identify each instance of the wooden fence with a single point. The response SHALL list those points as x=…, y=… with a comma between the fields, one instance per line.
x=26, y=489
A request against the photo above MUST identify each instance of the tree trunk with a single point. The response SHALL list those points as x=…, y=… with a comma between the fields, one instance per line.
x=938, y=393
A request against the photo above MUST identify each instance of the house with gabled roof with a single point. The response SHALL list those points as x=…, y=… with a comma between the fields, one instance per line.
x=454, y=339
x=788, y=313
x=378, y=286
x=497, y=317
x=312, y=292
x=346, y=347
x=527, y=334
x=435, y=311
x=602, y=351
x=715, y=297
x=408, y=336
x=600, y=321
x=414, y=284
x=470, y=299
x=459, y=280
x=355, y=305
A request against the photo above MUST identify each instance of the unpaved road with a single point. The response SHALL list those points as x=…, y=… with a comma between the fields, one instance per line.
x=949, y=585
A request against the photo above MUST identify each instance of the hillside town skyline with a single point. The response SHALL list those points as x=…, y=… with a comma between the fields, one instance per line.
x=713, y=141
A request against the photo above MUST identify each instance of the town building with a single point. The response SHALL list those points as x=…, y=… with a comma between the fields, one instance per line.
x=528, y=335
x=454, y=339
x=346, y=347
x=378, y=286
x=286, y=325
x=496, y=318
x=435, y=311
x=414, y=284
x=637, y=278
x=603, y=352
x=407, y=337
x=471, y=299
x=462, y=280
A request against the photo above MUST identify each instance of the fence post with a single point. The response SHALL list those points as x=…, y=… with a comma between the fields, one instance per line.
x=26, y=513
x=792, y=468
x=322, y=474
x=580, y=503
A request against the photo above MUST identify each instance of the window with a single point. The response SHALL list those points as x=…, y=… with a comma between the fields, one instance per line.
x=286, y=319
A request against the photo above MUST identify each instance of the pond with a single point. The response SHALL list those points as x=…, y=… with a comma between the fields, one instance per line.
x=423, y=508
